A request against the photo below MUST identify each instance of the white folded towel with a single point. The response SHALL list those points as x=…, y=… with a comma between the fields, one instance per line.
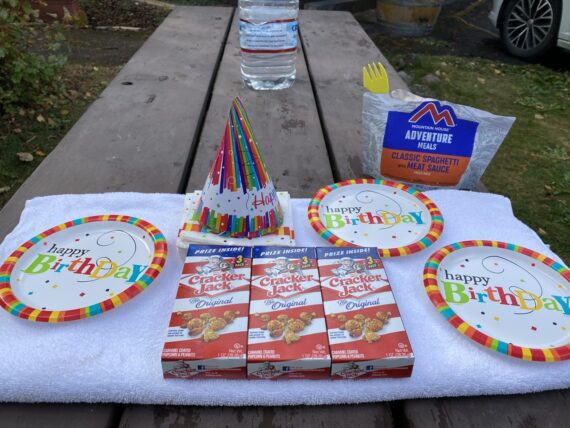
x=115, y=357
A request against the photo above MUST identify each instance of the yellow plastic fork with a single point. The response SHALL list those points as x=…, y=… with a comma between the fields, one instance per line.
x=375, y=79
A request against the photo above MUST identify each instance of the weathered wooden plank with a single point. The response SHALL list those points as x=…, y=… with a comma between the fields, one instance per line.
x=364, y=415
x=546, y=409
x=59, y=415
x=286, y=124
x=138, y=134
x=360, y=415
x=337, y=48
x=195, y=417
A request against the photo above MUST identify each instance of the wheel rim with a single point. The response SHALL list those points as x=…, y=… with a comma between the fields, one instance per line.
x=529, y=23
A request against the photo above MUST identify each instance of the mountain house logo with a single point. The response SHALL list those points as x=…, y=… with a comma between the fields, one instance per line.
x=431, y=108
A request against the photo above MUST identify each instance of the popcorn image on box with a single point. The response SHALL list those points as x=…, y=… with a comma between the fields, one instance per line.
x=287, y=335
x=366, y=334
x=207, y=333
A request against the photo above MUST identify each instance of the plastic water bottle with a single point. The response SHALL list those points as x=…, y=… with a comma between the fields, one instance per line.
x=268, y=41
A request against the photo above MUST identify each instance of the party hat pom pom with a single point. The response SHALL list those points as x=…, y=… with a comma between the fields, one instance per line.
x=239, y=199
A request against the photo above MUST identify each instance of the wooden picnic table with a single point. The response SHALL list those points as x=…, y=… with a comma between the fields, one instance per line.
x=156, y=128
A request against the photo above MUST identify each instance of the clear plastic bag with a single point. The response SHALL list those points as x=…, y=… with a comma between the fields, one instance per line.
x=428, y=143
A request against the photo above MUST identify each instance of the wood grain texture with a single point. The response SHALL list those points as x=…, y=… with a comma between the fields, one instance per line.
x=286, y=125
x=362, y=416
x=138, y=134
x=337, y=48
x=541, y=410
x=193, y=417
x=375, y=415
x=59, y=415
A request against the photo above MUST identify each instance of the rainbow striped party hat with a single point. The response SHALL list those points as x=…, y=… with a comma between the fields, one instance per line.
x=239, y=199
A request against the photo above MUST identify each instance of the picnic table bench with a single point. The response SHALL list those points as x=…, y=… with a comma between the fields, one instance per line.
x=156, y=128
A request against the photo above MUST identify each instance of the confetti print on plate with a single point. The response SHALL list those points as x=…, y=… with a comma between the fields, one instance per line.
x=64, y=273
x=508, y=298
x=395, y=218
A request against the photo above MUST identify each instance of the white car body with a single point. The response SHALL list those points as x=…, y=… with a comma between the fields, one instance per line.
x=563, y=33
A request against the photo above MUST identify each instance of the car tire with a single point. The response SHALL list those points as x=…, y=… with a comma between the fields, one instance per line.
x=529, y=28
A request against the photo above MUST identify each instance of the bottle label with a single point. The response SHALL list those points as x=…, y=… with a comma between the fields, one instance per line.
x=268, y=37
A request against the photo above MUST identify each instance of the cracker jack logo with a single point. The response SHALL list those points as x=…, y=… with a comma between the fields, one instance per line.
x=285, y=278
x=352, y=279
x=437, y=116
x=215, y=277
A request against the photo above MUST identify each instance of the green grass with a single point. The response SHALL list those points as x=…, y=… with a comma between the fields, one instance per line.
x=37, y=131
x=532, y=167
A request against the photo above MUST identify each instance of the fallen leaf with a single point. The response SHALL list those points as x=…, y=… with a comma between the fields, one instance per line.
x=497, y=71
x=50, y=121
x=4, y=189
x=481, y=80
x=17, y=131
x=541, y=231
x=437, y=73
x=39, y=153
x=40, y=118
x=64, y=112
x=95, y=68
x=547, y=187
x=25, y=156
x=538, y=116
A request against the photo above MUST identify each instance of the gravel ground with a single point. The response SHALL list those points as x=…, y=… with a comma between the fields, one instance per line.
x=463, y=29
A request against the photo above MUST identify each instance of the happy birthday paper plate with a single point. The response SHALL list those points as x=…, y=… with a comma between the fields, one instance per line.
x=395, y=218
x=505, y=297
x=81, y=268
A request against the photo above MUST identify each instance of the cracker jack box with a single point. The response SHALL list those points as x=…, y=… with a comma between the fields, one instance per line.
x=207, y=333
x=287, y=336
x=366, y=333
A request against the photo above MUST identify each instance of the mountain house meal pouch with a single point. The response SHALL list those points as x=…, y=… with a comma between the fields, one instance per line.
x=428, y=143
